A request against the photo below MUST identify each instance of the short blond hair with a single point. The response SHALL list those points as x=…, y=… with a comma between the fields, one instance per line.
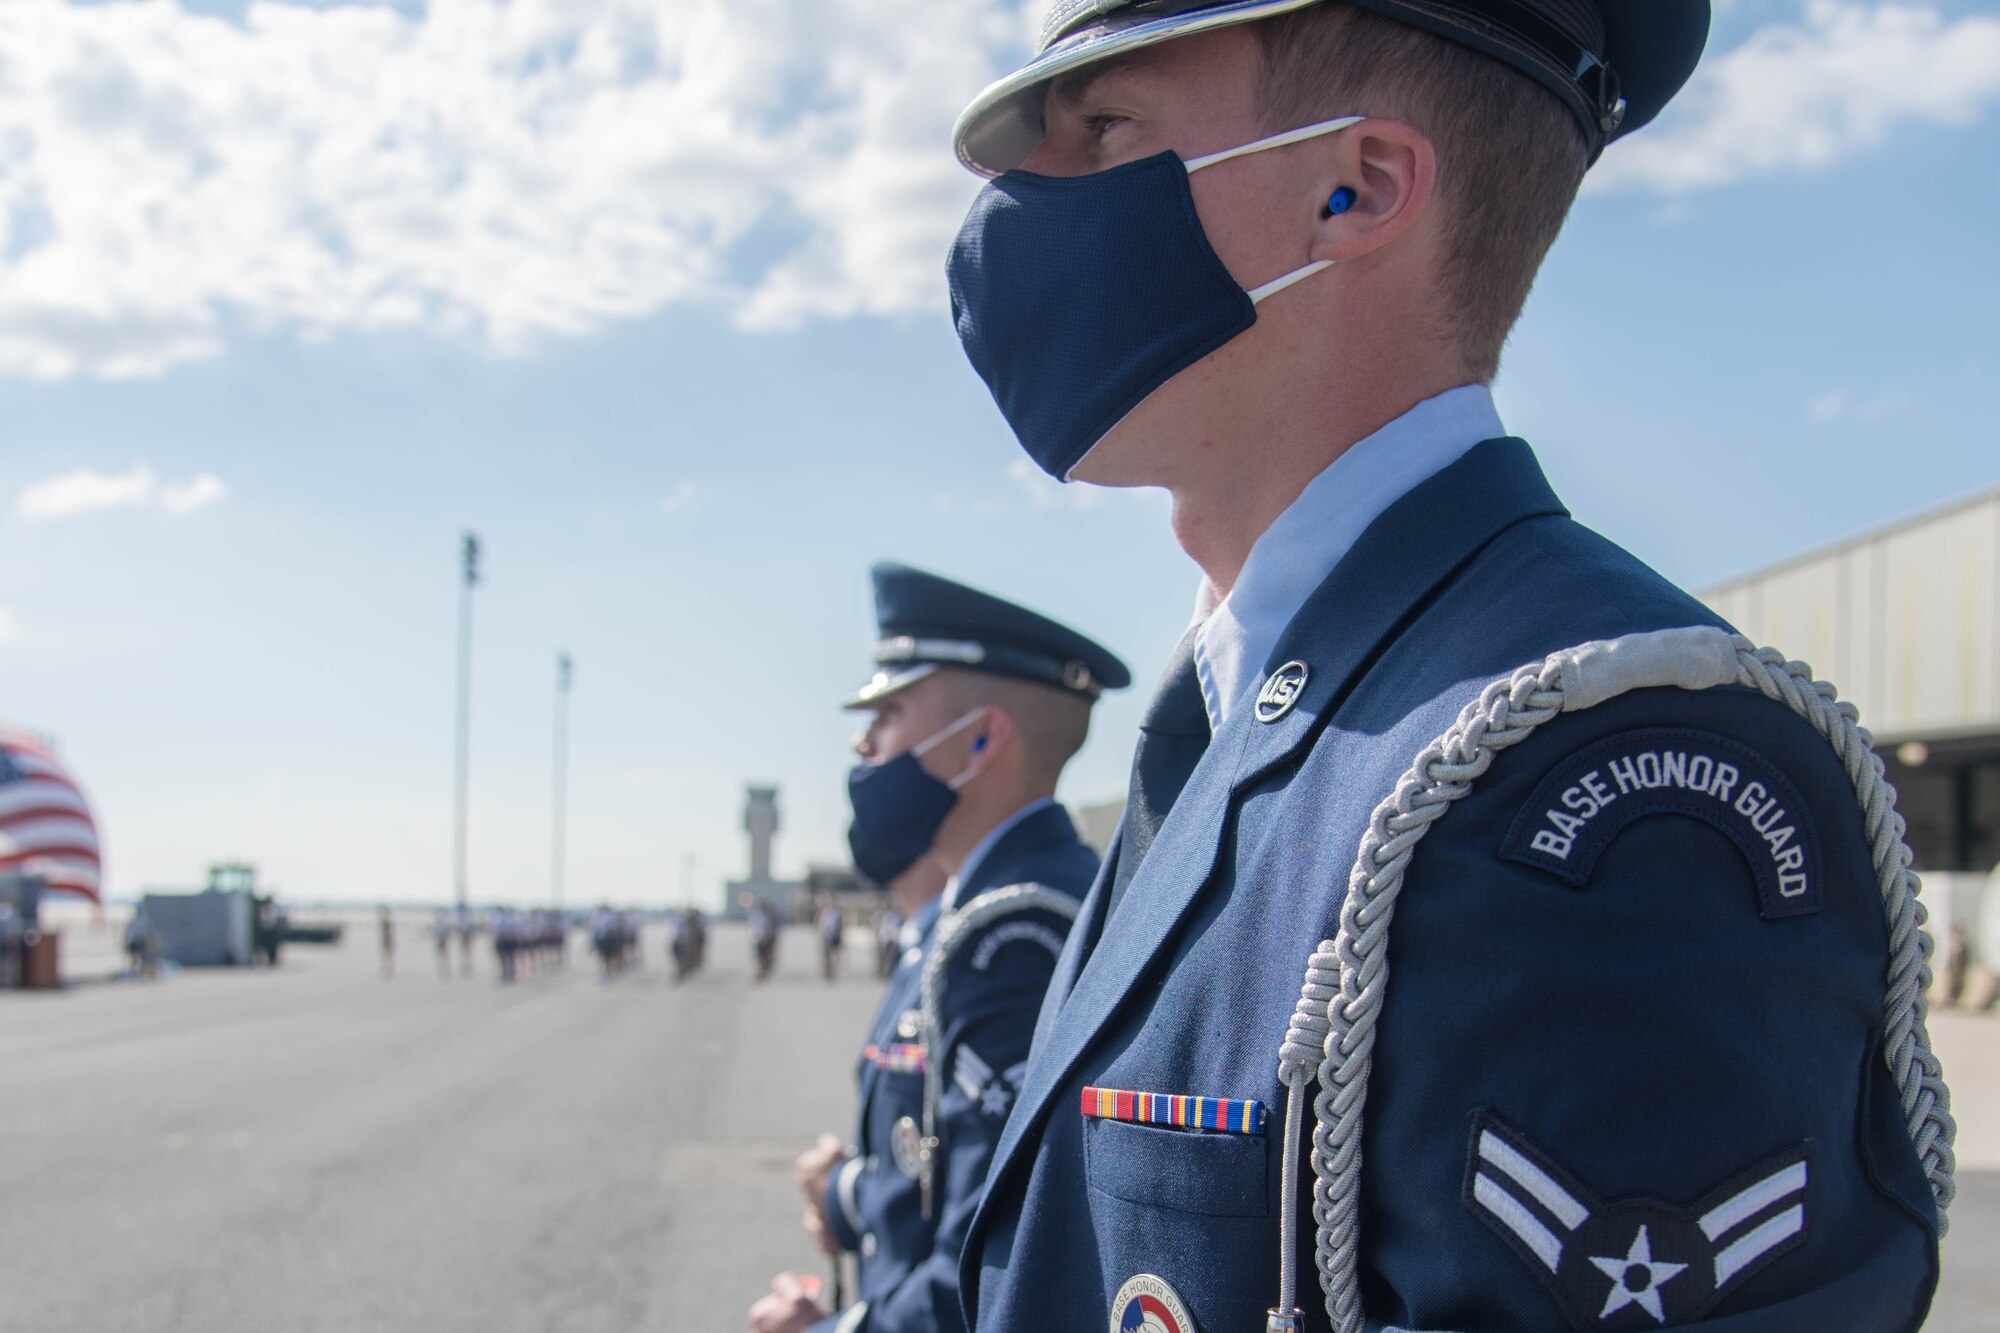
x=1052, y=724
x=1510, y=156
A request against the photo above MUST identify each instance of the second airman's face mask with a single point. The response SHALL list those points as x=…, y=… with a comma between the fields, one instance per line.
x=1077, y=296
x=899, y=806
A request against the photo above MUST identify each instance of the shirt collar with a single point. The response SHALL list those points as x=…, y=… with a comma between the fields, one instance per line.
x=1304, y=543
x=985, y=845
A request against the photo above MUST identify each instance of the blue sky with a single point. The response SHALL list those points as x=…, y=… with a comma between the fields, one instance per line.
x=291, y=295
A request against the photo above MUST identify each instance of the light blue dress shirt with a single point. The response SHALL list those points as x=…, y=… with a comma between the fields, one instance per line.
x=1303, y=544
x=985, y=845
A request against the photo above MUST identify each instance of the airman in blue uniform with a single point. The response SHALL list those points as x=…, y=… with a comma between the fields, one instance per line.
x=976, y=707
x=1645, y=1044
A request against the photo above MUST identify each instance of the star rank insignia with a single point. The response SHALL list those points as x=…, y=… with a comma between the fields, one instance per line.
x=993, y=1093
x=1633, y=1264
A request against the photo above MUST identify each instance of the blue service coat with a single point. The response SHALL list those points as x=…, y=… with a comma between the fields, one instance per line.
x=988, y=1003
x=1552, y=1055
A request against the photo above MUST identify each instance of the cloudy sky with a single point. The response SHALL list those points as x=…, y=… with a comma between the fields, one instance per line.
x=649, y=293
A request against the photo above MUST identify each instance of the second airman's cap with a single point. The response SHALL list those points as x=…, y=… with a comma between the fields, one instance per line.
x=928, y=622
x=1613, y=63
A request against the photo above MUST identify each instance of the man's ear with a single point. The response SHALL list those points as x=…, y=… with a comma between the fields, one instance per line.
x=992, y=733
x=1389, y=169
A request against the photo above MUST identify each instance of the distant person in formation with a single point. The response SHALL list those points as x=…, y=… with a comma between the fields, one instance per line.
x=468, y=927
x=831, y=924
x=698, y=928
x=441, y=932
x=263, y=932
x=139, y=943
x=976, y=707
x=385, y=922
x=527, y=946
x=604, y=940
x=888, y=941
x=547, y=934
x=763, y=939
x=634, y=925
x=11, y=937
x=680, y=943
x=506, y=939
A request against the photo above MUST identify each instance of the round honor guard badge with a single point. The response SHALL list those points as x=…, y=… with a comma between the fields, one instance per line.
x=909, y=1024
x=1146, y=1304
x=1281, y=691
x=906, y=1145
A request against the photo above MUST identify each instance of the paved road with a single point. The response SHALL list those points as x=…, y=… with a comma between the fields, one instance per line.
x=321, y=1149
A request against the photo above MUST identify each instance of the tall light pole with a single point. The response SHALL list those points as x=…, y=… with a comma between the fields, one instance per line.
x=470, y=554
x=562, y=767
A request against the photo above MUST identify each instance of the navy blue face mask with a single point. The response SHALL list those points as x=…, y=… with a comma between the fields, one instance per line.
x=1077, y=296
x=899, y=807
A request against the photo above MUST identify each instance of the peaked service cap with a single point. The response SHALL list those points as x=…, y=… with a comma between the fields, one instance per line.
x=928, y=621
x=1613, y=63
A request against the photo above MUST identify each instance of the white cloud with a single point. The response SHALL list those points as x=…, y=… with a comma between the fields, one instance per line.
x=10, y=628
x=197, y=492
x=507, y=171
x=87, y=490
x=1807, y=94
x=503, y=170
x=1827, y=406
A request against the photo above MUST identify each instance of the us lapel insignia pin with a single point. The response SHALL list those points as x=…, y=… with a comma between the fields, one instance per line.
x=1146, y=1304
x=1281, y=691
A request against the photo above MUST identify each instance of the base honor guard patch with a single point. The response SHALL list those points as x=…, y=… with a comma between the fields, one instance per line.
x=1146, y=1304
x=1231, y=1115
x=1635, y=1264
x=1591, y=797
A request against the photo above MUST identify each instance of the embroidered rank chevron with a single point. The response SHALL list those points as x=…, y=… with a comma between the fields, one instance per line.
x=1633, y=1264
x=992, y=1093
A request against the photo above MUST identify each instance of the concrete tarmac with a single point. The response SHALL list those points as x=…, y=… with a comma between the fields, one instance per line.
x=324, y=1149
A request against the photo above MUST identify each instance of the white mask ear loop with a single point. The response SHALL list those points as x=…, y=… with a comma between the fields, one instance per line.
x=925, y=747
x=1299, y=135
x=1279, y=284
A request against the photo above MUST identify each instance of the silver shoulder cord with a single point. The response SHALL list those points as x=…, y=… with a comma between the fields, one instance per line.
x=1332, y=1033
x=956, y=927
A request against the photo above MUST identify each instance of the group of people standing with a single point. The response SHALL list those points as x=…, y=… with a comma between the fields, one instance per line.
x=614, y=938
x=530, y=943
x=526, y=943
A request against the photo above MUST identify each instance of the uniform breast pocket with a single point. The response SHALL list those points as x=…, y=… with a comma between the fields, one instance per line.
x=1189, y=1171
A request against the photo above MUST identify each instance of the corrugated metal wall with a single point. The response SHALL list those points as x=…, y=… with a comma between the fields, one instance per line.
x=1906, y=620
